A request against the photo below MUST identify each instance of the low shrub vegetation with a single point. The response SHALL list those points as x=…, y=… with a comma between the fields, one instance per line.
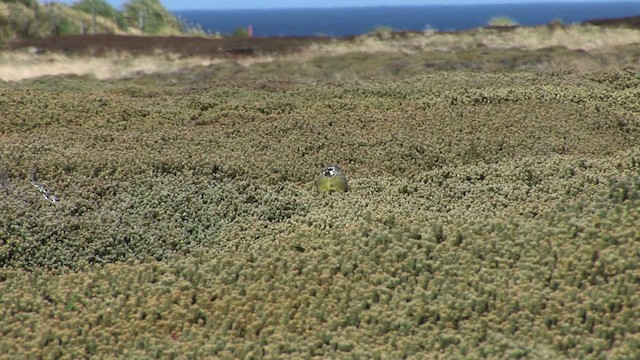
x=490, y=214
x=502, y=21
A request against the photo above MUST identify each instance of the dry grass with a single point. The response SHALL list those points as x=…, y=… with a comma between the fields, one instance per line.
x=16, y=66
x=575, y=37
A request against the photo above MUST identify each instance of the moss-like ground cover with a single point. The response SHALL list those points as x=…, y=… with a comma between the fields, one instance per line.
x=490, y=215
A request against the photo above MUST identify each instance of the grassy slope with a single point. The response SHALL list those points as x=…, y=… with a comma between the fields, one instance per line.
x=19, y=21
x=397, y=56
x=491, y=214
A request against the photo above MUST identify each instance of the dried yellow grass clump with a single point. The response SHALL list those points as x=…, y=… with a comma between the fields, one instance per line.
x=16, y=66
x=572, y=37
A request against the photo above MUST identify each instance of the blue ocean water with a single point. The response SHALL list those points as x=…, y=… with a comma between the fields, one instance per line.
x=354, y=21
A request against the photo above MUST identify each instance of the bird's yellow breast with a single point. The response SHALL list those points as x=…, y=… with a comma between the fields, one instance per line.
x=337, y=183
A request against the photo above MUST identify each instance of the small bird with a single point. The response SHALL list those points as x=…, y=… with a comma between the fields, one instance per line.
x=332, y=179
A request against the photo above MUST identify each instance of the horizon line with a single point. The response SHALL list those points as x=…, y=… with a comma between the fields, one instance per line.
x=452, y=3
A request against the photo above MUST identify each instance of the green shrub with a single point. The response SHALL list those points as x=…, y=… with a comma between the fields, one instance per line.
x=240, y=32
x=502, y=21
x=383, y=32
x=151, y=17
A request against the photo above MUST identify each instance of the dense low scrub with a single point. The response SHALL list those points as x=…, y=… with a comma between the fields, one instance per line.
x=490, y=215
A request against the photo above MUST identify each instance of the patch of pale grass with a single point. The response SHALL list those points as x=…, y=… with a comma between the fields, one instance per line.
x=364, y=44
x=574, y=37
x=16, y=66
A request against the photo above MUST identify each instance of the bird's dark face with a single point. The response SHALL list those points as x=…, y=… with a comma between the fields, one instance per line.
x=331, y=171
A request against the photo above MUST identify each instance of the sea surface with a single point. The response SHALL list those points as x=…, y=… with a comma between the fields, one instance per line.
x=359, y=20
